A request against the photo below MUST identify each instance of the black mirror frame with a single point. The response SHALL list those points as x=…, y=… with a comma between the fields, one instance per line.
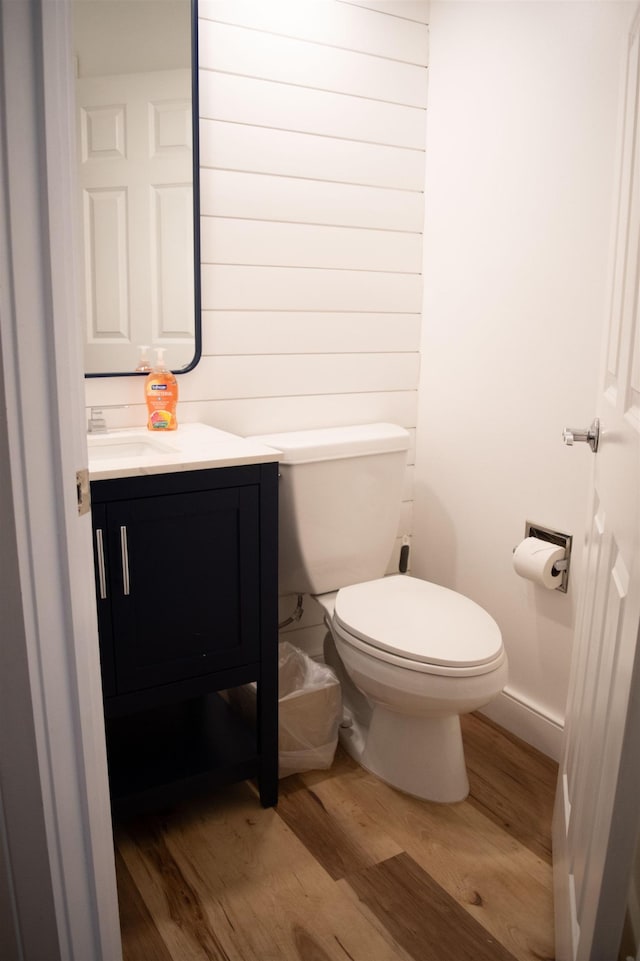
x=197, y=295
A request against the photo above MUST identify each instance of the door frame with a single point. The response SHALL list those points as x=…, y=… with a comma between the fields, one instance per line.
x=54, y=808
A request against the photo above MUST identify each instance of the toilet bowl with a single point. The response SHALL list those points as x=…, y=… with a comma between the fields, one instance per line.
x=411, y=657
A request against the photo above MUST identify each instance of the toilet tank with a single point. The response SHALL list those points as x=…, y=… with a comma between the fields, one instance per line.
x=340, y=499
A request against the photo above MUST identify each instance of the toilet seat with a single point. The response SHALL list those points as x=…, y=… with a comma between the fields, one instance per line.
x=418, y=625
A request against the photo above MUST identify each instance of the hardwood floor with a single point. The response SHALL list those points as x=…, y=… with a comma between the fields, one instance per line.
x=347, y=869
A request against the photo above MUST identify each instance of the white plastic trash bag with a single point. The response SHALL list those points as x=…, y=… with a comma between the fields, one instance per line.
x=309, y=707
x=310, y=710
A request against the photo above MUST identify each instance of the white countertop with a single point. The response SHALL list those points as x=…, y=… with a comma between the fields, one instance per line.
x=136, y=451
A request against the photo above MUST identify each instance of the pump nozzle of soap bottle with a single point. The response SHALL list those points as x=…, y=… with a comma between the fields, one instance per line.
x=144, y=364
x=160, y=364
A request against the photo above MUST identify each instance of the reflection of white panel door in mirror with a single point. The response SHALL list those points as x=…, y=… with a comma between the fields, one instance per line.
x=137, y=217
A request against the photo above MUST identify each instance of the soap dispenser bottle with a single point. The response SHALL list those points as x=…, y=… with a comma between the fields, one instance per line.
x=144, y=365
x=161, y=392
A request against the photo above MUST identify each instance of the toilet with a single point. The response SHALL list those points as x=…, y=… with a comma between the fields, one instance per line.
x=411, y=656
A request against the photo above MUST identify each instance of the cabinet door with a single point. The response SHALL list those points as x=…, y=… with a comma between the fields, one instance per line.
x=184, y=585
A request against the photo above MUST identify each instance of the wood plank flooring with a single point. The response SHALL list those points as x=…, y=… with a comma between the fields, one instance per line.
x=347, y=869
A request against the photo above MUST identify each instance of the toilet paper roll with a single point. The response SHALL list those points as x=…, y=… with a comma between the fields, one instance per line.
x=534, y=559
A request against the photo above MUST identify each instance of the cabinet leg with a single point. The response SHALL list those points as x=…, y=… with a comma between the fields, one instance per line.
x=268, y=791
x=267, y=706
x=268, y=766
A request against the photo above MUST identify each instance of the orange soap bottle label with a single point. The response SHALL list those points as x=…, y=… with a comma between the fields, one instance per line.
x=161, y=390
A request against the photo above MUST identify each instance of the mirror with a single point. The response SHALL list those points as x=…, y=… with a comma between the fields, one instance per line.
x=137, y=136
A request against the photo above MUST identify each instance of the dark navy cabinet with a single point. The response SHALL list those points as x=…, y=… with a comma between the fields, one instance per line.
x=186, y=585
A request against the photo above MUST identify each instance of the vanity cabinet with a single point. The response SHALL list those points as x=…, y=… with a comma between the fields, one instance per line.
x=186, y=585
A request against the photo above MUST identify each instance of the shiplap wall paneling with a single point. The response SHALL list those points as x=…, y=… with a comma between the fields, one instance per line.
x=409, y=9
x=268, y=416
x=264, y=416
x=323, y=67
x=275, y=104
x=295, y=374
x=381, y=31
x=276, y=332
x=237, y=241
x=312, y=155
x=260, y=196
x=241, y=287
x=232, y=146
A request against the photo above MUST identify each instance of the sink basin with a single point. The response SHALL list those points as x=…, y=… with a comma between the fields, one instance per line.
x=106, y=447
x=135, y=451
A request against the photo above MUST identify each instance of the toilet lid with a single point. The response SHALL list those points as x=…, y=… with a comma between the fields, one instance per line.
x=419, y=621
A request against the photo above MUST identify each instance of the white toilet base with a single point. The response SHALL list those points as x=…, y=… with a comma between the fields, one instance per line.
x=421, y=756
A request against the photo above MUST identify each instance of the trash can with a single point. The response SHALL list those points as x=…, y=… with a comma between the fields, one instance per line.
x=309, y=708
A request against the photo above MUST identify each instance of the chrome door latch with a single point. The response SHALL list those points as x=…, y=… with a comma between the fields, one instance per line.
x=83, y=491
x=589, y=435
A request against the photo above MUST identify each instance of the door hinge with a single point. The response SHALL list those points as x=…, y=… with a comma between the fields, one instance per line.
x=83, y=491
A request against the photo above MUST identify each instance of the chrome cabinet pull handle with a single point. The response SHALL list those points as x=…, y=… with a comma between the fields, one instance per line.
x=124, y=550
x=102, y=575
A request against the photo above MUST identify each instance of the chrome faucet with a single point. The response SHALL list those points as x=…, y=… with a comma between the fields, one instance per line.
x=97, y=423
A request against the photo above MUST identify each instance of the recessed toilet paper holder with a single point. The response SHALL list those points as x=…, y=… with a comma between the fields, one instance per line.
x=554, y=537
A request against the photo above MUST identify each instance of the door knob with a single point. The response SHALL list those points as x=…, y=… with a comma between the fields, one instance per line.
x=588, y=435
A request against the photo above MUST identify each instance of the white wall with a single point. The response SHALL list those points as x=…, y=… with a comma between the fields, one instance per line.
x=521, y=134
x=312, y=176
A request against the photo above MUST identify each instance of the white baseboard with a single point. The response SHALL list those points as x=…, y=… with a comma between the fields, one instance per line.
x=526, y=720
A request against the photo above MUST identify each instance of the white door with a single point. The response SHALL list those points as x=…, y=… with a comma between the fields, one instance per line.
x=597, y=805
x=135, y=172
